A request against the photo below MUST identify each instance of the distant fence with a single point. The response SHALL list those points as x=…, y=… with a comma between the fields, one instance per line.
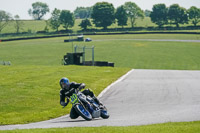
x=27, y=38
x=5, y=63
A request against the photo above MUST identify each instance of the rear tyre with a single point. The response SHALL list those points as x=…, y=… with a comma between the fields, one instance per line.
x=83, y=112
x=104, y=113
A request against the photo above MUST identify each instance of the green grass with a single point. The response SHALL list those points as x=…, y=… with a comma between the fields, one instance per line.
x=35, y=25
x=28, y=26
x=35, y=52
x=113, y=48
x=31, y=93
x=183, y=127
x=152, y=55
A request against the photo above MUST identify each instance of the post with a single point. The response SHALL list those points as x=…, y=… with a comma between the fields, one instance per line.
x=71, y=39
x=72, y=45
x=75, y=47
x=93, y=55
x=4, y=63
x=84, y=55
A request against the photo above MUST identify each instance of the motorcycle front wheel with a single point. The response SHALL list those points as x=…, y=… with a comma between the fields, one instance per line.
x=83, y=112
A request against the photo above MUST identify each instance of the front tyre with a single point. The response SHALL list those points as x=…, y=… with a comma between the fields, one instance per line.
x=83, y=112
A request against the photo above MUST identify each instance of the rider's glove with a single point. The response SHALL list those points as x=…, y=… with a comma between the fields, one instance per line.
x=82, y=86
x=65, y=103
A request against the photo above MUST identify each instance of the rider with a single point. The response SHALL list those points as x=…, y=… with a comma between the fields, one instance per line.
x=67, y=90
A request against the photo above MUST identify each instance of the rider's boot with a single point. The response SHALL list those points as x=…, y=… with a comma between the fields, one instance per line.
x=98, y=102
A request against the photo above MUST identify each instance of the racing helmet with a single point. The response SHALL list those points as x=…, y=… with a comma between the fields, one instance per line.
x=64, y=83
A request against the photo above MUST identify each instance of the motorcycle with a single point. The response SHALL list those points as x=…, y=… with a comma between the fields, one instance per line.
x=86, y=107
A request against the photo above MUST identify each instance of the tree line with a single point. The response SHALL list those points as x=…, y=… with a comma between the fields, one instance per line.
x=103, y=14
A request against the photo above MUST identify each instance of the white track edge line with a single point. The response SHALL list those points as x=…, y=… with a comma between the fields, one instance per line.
x=117, y=81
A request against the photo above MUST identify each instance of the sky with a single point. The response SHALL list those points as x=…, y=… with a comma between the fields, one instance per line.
x=21, y=7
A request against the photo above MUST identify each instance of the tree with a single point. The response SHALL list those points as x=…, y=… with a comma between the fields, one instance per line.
x=147, y=13
x=103, y=14
x=194, y=15
x=85, y=23
x=46, y=28
x=133, y=11
x=39, y=10
x=159, y=14
x=4, y=19
x=55, y=19
x=177, y=15
x=121, y=16
x=18, y=24
x=67, y=19
x=83, y=12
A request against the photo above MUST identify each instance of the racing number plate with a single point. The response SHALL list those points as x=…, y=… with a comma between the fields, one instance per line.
x=74, y=99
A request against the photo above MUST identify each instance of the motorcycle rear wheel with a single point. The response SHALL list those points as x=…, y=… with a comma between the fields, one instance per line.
x=104, y=113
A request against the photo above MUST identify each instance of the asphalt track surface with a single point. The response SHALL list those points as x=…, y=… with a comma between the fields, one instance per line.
x=141, y=97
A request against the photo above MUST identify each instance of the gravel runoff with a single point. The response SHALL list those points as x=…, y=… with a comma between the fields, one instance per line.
x=141, y=97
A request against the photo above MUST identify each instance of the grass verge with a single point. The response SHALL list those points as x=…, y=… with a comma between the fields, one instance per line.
x=182, y=127
x=31, y=93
